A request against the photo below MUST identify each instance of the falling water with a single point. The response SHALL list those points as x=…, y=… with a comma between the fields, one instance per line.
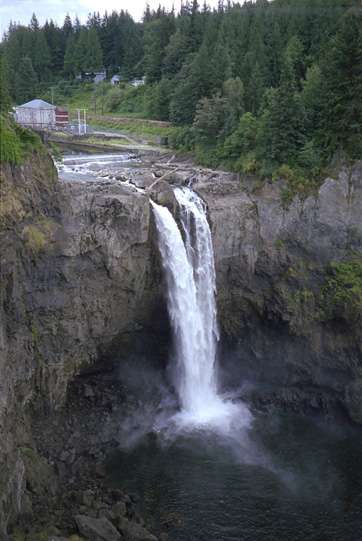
x=190, y=276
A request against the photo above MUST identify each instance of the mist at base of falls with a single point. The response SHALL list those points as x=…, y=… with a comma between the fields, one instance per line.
x=283, y=478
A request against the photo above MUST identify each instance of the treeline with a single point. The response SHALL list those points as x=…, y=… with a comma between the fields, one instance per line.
x=36, y=56
x=263, y=87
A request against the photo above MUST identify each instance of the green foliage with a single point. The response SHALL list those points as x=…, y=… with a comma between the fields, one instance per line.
x=38, y=236
x=209, y=119
x=339, y=95
x=70, y=60
x=239, y=147
x=296, y=70
x=25, y=81
x=342, y=293
x=297, y=183
x=10, y=145
x=182, y=138
x=16, y=142
x=87, y=54
x=156, y=38
x=282, y=124
x=113, y=99
x=157, y=99
x=5, y=99
x=34, y=238
x=41, y=56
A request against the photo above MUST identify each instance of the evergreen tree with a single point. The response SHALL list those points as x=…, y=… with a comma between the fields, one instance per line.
x=26, y=81
x=94, y=60
x=13, y=54
x=156, y=38
x=67, y=29
x=53, y=36
x=41, y=56
x=5, y=99
x=175, y=53
x=34, y=24
x=81, y=51
x=87, y=55
x=209, y=119
x=242, y=142
x=340, y=93
x=233, y=93
x=70, y=63
x=282, y=124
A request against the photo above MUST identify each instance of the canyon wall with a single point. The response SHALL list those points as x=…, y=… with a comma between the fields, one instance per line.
x=79, y=281
x=289, y=288
x=81, y=285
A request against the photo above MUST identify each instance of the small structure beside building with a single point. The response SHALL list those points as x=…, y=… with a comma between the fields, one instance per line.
x=61, y=118
x=36, y=114
x=99, y=76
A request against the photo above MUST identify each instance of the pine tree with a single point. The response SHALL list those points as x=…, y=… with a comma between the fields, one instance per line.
x=81, y=51
x=175, y=53
x=13, y=55
x=41, y=56
x=93, y=57
x=233, y=93
x=340, y=93
x=26, y=81
x=70, y=64
x=156, y=39
x=282, y=124
x=34, y=24
x=54, y=38
x=5, y=99
x=67, y=29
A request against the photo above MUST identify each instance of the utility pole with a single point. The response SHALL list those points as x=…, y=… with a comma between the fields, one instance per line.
x=85, y=121
x=52, y=94
x=79, y=125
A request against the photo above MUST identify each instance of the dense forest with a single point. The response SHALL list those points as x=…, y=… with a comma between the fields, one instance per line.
x=271, y=88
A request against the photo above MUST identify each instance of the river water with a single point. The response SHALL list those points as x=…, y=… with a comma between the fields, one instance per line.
x=289, y=479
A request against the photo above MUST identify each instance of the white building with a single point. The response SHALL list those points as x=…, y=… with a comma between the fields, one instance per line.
x=138, y=82
x=116, y=79
x=99, y=76
x=36, y=114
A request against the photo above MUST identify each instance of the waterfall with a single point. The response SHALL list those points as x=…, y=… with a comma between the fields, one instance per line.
x=190, y=277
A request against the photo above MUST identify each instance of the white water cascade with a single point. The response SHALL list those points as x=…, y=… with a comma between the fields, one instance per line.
x=190, y=276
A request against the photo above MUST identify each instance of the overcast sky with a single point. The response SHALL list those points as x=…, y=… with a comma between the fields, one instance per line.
x=22, y=10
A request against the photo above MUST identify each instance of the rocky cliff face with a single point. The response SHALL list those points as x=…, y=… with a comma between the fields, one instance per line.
x=79, y=281
x=279, y=309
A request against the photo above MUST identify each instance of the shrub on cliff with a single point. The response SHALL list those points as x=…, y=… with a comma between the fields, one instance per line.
x=16, y=142
x=10, y=146
x=342, y=293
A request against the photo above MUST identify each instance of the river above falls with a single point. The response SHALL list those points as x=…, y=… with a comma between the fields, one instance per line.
x=95, y=166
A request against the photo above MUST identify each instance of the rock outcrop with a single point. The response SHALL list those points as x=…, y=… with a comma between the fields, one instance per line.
x=273, y=266
x=79, y=281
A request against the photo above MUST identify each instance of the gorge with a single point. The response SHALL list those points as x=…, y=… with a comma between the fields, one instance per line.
x=83, y=291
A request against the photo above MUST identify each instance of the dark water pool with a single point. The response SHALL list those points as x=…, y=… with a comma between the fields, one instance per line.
x=302, y=480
